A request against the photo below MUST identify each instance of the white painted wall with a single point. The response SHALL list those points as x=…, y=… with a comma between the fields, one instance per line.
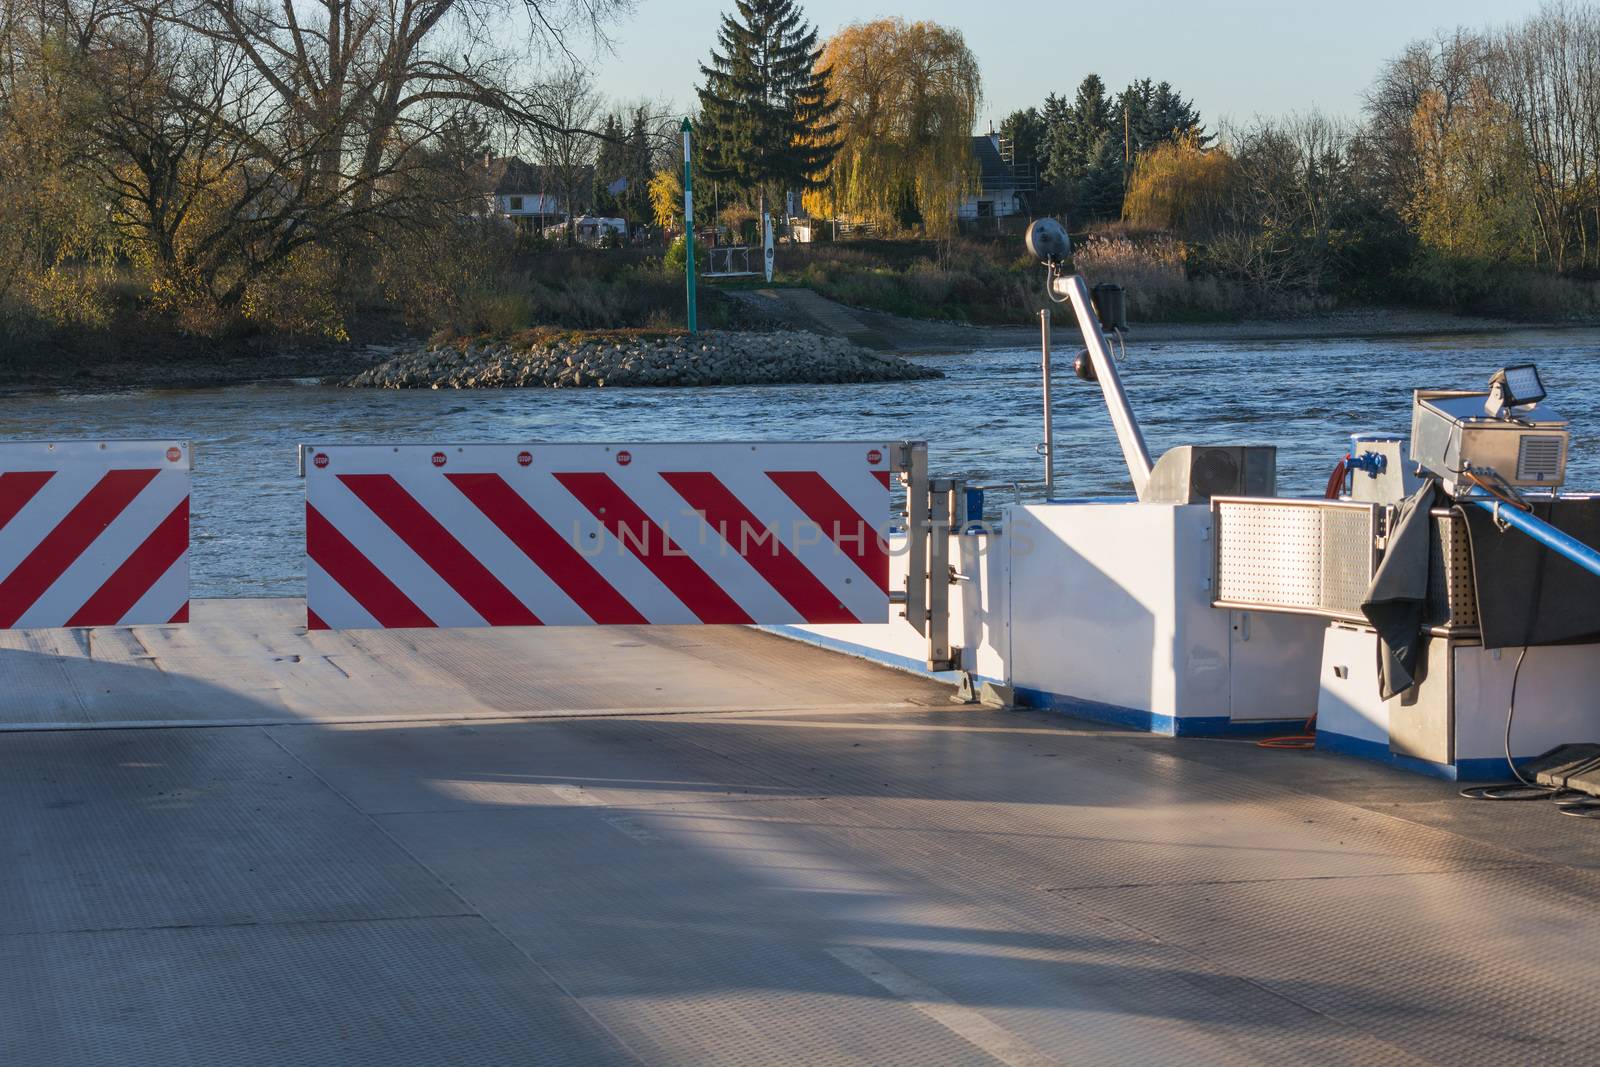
x=1558, y=699
x=1350, y=705
x=1004, y=201
x=1109, y=603
x=1558, y=695
x=532, y=204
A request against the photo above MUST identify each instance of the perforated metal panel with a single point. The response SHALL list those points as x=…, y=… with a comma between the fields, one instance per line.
x=1452, y=597
x=1348, y=558
x=1313, y=557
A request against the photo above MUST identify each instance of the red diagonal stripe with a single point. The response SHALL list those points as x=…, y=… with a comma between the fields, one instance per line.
x=61, y=546
x=182, y=614
x=439, y=549
x=357, y=575
x=141, y=570
x=314, y=621
x=16, y=489
x=854, y=536
x=759, y=546
x=548, y=550
x=628, y=523
x=882, y=476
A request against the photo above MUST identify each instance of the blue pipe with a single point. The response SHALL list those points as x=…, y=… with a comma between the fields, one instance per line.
x=1555, y=540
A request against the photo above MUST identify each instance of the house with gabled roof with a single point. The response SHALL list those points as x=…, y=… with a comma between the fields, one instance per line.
x=1003, y=187
x=525, y=194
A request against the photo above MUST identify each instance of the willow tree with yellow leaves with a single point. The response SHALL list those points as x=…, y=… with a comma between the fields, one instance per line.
x=1180, y=185
x=908, y=96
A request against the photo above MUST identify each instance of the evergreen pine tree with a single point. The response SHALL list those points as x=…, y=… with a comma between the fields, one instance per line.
x=1099, y=190
x=636, y=200
x=766, y=113
x=611, y=163
x=1073, y=131
x=1172, y=117
x=1092, y=142
x=1025, y=129
x=1145, y=114
x=1156, y=114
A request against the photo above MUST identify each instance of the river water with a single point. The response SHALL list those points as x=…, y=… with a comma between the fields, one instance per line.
x=982, y=422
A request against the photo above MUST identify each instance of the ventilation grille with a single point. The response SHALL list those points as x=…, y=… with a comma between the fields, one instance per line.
x=1538, y=458
x=1314, y=557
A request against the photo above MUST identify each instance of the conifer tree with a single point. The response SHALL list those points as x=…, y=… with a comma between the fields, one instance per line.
x=641, y=156
x=1092, y=143
x=766, y=112
x=611, y=163
x=1073, y=131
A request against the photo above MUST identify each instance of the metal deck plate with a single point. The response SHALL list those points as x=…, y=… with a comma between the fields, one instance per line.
x=818, y=884
x=252, y=661
x=511, y=766
x=117, y=829
x=721, y=922
x=1457, y=969
x=412, y=991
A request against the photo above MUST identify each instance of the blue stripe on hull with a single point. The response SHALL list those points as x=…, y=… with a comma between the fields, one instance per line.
x=1152, y=722
x=1491, y=769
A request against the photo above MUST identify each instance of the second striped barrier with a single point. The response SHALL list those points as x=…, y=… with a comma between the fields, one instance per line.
x=583, y=534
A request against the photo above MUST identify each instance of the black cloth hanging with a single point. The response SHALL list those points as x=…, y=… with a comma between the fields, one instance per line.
x=1397, y=599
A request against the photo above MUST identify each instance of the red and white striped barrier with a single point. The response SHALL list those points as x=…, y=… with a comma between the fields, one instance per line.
x=523, y=535
x=94, y=533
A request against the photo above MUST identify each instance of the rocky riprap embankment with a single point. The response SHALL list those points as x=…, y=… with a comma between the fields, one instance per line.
x=709, y=358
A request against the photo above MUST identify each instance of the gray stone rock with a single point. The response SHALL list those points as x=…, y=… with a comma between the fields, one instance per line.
x=713, y=357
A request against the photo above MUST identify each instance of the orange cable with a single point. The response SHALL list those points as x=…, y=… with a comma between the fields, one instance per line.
x=1308, y=739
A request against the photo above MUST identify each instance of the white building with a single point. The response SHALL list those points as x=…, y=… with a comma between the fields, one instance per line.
x=1001, y=191
x=521, y=193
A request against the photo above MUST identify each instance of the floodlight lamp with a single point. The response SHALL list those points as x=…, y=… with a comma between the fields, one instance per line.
x=1048, y=242
x=1515, y=386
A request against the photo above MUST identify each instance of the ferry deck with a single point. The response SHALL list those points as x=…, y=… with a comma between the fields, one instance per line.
x=238, y=842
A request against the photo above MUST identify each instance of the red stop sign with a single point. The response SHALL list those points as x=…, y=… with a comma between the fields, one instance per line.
x=320, y=460
x=875, y=456
x=524, y=459
x=438, y=459
x=624, y=458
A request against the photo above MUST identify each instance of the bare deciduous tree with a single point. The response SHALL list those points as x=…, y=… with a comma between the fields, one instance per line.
x=560, y=112
x=230, y=139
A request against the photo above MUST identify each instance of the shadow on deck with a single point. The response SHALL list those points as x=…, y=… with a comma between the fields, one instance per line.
x=492, y=847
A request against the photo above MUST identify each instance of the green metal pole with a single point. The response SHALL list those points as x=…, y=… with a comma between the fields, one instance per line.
x=688, y=223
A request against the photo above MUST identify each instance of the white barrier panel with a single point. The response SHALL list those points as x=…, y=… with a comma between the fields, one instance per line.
x=94, y=533
x=524, y=535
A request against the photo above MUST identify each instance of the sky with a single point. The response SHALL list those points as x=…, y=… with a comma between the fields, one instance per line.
x=1235, y=59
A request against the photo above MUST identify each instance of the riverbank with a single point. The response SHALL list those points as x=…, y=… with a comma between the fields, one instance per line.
x=622, y=359
x=1348, y=323
x=805, y=309
x=142, y=361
